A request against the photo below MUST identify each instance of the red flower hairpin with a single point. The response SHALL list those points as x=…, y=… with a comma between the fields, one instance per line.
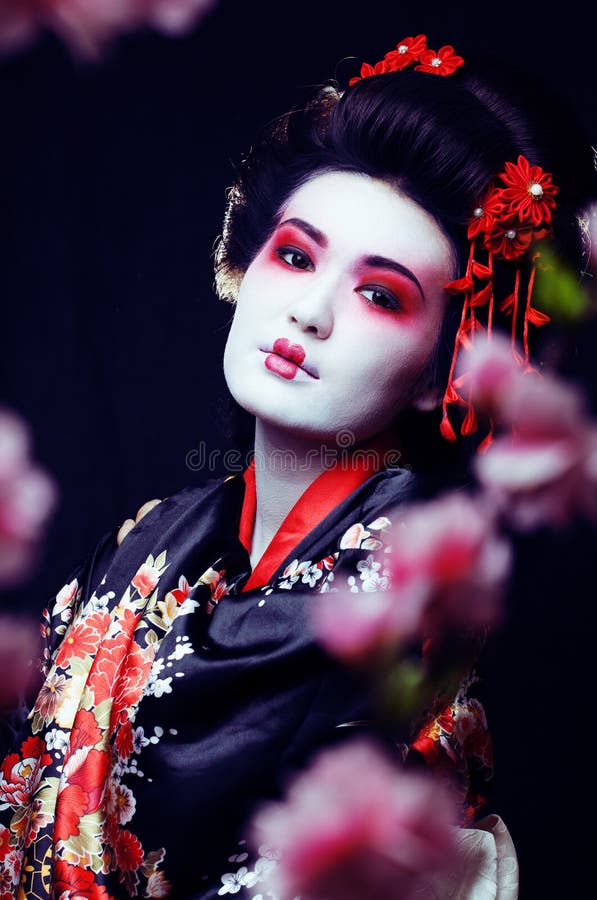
x=409, y=51
x=514, y=215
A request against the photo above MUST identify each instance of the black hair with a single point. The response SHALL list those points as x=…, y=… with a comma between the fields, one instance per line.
x=439, y=140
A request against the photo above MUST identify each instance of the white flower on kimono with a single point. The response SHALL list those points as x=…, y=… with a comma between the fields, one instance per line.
x=371, y=544
x=65, y=599
x=139, y=739
x=98, y=604
x=372, y=580
x=352, y=538
x=312, y=576
x=210, y=576
x=294, y=571
x=160, y=687
x=382, y=523
x=169, y=609
x=157, y=667
x=56, y=739
x=182, y=648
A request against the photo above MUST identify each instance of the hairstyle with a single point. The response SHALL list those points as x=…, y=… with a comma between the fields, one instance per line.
x=439, y=140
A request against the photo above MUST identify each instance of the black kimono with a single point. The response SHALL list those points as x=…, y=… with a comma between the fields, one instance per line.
x=174, y=701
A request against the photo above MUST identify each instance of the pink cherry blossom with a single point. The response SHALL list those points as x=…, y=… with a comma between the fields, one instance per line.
x=88, y=26
x=27, y=498
x=541, y=468
x=359, y=627
x=448, y=568
x=355, y=825
x=145, y=579
x=450, y=548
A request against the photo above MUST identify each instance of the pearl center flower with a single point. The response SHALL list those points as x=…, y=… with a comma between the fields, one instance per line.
x=511, y=234
x=478, y=213
x=436, y=61
x=403, y=48
x=536, y=191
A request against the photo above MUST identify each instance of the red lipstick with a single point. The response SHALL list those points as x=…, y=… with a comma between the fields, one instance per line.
x=285, y=358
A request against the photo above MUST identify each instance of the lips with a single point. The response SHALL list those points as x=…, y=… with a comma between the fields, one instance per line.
x=287, y=359
x=292, y=352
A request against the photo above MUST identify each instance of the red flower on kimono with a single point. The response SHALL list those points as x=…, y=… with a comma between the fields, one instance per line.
x=529, y=192
x=83, y=638
x=20, y=773
x=407, y=51
x=129, y=852
x=124, y=740
x=121, y=670
x=131, y=683
x=85, y=733
x=444, y=62
x=4, y=841
x=86, y=774
x=76, y=883
x=181, y=593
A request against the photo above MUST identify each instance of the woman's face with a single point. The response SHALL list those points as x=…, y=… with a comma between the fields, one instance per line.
x=338, y=314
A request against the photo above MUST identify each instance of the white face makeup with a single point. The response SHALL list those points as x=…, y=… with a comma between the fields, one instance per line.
x=339, y=312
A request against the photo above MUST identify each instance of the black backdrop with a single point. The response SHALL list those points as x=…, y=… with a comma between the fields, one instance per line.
x=112, y=186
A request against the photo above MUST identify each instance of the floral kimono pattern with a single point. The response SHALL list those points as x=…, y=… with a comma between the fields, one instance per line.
x=172, y=702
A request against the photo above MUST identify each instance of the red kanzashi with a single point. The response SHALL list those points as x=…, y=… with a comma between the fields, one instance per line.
x=444, y=62
x=409, y=51
x=513, y=215
x=529, y=192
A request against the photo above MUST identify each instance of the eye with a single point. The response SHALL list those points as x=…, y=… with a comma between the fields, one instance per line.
x=294, y=258
x=380, y=297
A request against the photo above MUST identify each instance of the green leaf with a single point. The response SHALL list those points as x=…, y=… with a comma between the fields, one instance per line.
x=156, y=620
x=102, y=712
x=557, y=289
x=87, y=844
x=160, y=560
x=80, y=666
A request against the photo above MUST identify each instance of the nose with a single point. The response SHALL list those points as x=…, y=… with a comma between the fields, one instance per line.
x=312, y=310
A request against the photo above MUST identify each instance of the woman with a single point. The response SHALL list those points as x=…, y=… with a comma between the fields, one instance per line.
x=181, y=681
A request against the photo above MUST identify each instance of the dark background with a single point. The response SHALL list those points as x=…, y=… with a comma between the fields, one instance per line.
x=112, y=189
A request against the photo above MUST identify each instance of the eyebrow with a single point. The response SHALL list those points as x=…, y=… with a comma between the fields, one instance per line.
x=377, y=262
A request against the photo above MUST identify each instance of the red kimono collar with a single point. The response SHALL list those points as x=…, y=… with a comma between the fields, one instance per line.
x=320, y=498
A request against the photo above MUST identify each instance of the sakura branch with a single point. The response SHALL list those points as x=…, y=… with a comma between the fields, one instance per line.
x=354, y=825
x=541, y=469
x=448, y=568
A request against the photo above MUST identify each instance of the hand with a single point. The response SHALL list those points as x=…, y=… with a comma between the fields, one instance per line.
x=129, y=524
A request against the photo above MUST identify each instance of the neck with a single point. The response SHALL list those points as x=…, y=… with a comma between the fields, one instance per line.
x=285, y=466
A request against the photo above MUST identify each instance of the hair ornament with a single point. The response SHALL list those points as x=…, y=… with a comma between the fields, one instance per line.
x=410, y=52
x=507, y=223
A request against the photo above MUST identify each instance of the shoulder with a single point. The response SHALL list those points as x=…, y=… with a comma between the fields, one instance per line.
x=158, y=511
